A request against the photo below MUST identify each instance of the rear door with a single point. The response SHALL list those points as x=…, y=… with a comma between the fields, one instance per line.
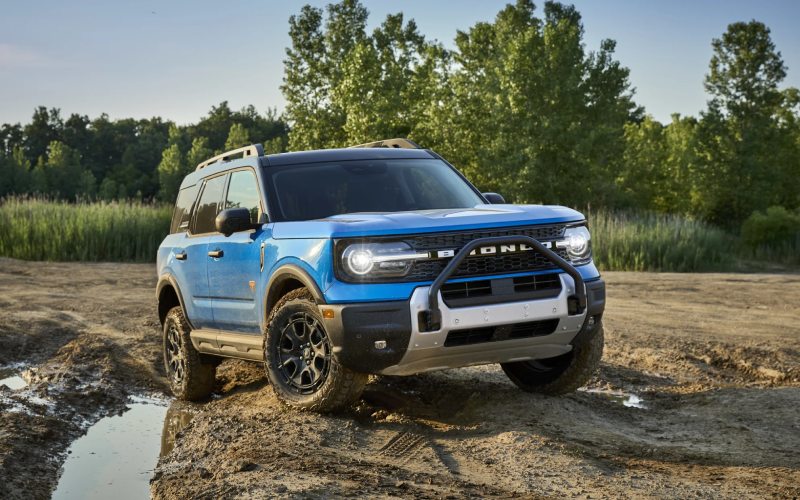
x=195, y=252
x=233, y=273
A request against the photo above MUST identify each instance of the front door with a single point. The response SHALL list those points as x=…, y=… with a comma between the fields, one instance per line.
x=235, y=262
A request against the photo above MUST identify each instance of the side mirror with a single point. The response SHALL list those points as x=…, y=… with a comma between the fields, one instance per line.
x=234, y=220
x=494, y=198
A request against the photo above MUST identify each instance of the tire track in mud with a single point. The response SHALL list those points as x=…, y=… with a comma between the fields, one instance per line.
x=403, y=445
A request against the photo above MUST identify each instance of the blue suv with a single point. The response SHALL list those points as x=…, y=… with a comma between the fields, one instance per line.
x=331, y=265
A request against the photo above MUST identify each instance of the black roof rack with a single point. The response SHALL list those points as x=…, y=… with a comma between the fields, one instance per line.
x=251, y=150
x=390, y=143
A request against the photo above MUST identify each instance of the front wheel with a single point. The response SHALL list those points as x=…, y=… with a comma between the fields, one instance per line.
x=561, y=374
x=300, y=364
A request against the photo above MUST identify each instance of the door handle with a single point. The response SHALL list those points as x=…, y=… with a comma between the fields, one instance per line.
x=216, y=253
x=181, y=255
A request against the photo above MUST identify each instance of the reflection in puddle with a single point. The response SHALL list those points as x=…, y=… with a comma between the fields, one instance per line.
x=15, y=382
x=15, y=376
x=627, y=399
x=116, y=457
x=176, y=420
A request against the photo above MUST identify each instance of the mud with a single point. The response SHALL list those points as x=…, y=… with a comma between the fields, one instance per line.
x=697, y=396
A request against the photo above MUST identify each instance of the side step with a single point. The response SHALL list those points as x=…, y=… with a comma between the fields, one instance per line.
x=228, y=344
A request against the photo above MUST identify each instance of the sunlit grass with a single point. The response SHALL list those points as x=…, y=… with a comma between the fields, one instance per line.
x=651, y=242
x=36, y=229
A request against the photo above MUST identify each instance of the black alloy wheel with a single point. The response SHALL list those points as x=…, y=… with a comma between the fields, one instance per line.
x=173, y=354
x=304, y=353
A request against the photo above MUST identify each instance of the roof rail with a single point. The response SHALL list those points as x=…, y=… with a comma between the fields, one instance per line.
x=390, y=143
x=251, y=150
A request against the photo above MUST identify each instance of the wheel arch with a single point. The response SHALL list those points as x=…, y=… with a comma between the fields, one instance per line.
x=286, y=278
x=168, y=295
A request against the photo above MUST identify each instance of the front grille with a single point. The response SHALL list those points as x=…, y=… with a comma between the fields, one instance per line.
x=469, y=293
x=469, y=336
x=458, y=239
x=484, y=265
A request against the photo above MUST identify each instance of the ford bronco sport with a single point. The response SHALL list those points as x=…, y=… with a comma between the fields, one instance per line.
x=330, y=265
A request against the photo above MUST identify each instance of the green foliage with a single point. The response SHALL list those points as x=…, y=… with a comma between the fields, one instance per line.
x=118, y=159
x=237, y=137
x=774, y=235
x=37, y=229
x=171, y=172
x=747, y=139
x=654, y=242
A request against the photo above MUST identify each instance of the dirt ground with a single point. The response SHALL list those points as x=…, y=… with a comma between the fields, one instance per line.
x=714, y=359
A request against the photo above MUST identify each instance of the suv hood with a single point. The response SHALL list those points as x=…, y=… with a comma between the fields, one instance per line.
x=425, y=221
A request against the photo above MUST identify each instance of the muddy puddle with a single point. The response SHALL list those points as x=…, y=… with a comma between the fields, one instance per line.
x=627, y=399
x=117, y=455
x=14, y=382
x=14, y=377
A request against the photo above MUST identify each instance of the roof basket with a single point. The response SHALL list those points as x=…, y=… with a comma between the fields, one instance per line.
x=247, y=151
x=390, y=143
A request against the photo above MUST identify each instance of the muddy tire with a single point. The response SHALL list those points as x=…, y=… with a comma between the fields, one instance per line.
x=561, y=374
x=190, y=376
x=299, y=360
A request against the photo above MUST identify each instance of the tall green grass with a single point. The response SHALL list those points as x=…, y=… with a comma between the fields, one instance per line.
x=35, y=229
x=653, y=242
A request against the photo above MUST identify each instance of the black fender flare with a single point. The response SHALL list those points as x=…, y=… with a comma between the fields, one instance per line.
x=168, y=279
x=289, y=272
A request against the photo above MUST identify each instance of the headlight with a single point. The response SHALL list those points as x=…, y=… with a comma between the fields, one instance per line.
x=578, y=243
x=379, y=260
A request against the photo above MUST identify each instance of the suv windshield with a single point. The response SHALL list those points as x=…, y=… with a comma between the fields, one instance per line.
x=319, y=190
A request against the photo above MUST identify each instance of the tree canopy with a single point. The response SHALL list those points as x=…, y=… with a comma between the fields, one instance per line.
x=520, y=104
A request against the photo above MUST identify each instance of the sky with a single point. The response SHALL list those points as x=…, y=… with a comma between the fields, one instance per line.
x=176, y=59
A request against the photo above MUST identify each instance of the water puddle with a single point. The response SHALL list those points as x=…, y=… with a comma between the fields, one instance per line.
x=15, y=377
x=627, y=399
x=14, y=382
x=116, y=457
x=176, y=420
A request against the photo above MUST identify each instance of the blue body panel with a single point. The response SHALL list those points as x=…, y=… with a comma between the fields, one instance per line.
x=190, y=274
x=228, y=293
x=427, y=221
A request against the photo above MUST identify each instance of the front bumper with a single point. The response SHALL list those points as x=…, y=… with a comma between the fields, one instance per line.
x=355, y=329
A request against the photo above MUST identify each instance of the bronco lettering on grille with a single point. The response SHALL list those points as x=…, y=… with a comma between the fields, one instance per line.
x=491, y=250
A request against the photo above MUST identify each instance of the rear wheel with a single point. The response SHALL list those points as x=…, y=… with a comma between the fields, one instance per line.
x=300, y=364
x=190, y=376
x=561, y=374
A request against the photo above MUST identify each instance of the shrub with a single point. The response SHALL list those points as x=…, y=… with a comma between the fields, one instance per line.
x=777, y=226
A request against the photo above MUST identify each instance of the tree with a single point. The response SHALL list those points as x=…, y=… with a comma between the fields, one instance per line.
x=746, y=130
x=199, y=152
x=15, y=177
x=172, y=167
x=44, y=128
x=237, y=137
x=532, y=115
x=61, y=174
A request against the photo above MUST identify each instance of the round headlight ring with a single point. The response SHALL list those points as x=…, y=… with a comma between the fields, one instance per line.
x=359, y=261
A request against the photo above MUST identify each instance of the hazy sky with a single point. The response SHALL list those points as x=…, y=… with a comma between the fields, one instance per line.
x=177, y=58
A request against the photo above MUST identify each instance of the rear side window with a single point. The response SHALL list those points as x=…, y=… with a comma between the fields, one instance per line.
x=208, y=206
x=183, y=209
x=243, y=193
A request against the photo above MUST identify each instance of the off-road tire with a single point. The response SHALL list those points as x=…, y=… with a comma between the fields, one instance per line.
x=566, y=373
x=340, y=387
x=198, y=378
